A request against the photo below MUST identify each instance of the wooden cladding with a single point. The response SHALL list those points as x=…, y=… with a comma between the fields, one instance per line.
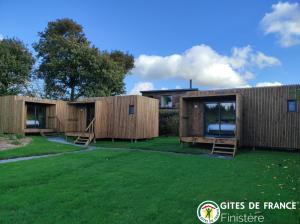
x=116, y=121
x=263, y=118
x=112, y=117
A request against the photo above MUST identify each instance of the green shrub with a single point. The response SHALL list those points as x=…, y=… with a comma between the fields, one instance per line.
x=169, y=123
x=12, y=137
x=16, y=142
x=20, y=136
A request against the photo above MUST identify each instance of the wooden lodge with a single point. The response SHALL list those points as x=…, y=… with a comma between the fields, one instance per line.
x=117, y=117
x=247, y=117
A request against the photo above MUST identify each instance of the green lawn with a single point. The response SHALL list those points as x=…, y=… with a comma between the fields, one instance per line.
x=166, y=144
x=38, y=146
x=125, y=186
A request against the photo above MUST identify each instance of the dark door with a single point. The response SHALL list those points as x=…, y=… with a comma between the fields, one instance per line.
x=90, y=113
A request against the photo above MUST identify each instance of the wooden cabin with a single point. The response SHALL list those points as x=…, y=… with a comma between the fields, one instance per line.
x=117, y=117
x=24, y=115
x=247, y=117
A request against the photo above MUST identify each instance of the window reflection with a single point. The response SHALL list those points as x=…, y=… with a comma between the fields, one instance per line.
x=220, y=119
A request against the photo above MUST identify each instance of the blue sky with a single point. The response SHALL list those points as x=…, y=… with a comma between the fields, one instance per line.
x=179, y=39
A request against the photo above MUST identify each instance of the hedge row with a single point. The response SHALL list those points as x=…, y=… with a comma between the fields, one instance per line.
x=169, y=123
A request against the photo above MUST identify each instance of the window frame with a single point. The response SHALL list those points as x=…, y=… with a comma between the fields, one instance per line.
x=288, y=106
x=131, y=109
x=161, y=97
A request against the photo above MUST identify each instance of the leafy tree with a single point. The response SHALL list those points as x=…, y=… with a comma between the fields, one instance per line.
x=16, y=63
x=72, y=68
x=108, y=77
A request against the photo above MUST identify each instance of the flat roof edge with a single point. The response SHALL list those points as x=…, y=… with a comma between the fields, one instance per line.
x=169, y=90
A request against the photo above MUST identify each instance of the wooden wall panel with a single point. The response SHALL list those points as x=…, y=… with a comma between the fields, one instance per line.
x=147, y=111
x=103, y=115
x=124, y=124
x=11, y=114
x=62, y=115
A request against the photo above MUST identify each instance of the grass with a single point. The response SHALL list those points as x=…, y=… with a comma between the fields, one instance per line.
x=126, y=186
x=38, y=146
x=165, y=144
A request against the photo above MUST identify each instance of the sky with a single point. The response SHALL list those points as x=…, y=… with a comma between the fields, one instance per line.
x=216, y=43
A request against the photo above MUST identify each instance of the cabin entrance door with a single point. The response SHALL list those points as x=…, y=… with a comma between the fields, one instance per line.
x=81, y=119
x=90, y=113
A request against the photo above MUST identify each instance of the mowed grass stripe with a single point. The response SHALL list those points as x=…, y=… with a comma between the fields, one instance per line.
x=120, y=186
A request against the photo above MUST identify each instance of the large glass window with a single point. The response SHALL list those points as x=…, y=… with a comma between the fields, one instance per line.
x=166, y=102
x=220, y=119
x=36, y=116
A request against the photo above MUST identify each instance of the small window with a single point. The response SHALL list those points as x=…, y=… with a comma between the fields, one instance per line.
x=166, y=102
x=292, y=106
x=131, y=109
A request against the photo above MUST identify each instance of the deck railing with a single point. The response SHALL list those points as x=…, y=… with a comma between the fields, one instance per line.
x=91, y=127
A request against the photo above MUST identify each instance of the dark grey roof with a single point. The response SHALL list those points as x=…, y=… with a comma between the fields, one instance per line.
x=169, y=90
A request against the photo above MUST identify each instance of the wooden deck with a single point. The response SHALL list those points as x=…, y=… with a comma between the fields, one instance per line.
x=38, y=130
x=77, y=134
x=209, y=140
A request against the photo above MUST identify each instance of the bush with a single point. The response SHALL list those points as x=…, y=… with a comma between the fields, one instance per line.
x=169, y=123
x=12, y=137
x=19, y=136
x=16, y=142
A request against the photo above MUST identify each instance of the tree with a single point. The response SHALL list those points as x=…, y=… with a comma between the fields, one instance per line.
x=72, y=68
x=16, y=63
x=108, y=77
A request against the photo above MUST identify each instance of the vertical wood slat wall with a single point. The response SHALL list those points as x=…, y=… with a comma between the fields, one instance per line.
x=11, y=114
x=265, y=121
x=111, y=113
x=114, y=121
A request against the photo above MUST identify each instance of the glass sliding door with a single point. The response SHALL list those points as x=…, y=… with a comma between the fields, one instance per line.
x=227, y=119
x=220, y=119
x=36, y=116
x=212, y=114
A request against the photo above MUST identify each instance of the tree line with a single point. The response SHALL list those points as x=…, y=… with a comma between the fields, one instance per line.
x=67, y=62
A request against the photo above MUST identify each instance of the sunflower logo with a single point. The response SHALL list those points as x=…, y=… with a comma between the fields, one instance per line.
x=208, y=212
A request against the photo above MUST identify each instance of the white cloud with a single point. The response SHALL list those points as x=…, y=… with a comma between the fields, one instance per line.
x=261, y=60
x=261, y=84
x=204, y=66
x=141, y=86
x=1, y=37
x=283, y=21
x=178, y=87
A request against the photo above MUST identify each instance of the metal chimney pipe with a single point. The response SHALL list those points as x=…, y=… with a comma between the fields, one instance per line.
x=191, y=83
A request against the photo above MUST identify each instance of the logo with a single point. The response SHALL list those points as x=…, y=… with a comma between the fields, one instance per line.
x=208, y=212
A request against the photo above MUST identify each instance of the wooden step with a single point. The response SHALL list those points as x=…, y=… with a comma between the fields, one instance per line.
x=79, y=141
x=221, y=149
x=223, y=152
x=84, y=139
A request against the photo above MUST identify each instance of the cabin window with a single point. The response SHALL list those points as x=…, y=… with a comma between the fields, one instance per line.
x=166, y=101
x=292, y=106
x=36, y=116
x=131, y=109
x=220, y=119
